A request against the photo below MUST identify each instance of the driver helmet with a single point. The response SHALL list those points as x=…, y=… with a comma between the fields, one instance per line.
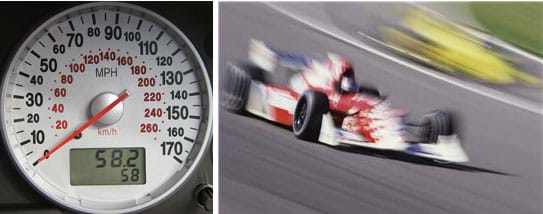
x=348, y=84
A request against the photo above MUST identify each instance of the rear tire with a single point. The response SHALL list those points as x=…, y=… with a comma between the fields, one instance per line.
x=236, y=85
x=435, y=124
x=307, y=120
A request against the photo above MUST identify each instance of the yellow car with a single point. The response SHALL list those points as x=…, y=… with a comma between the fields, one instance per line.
x=451, y=49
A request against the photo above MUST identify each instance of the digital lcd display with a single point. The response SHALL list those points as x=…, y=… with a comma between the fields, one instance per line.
x=107, y=166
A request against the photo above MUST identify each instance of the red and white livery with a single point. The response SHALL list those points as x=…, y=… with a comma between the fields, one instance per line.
x=319, y=98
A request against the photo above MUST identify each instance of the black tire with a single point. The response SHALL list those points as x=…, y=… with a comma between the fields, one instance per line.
x=235, y=85
x=369, y=90
x=435, y=124
x=306, y=123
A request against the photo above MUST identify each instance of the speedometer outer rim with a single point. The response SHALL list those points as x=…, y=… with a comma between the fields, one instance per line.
x=202, y=142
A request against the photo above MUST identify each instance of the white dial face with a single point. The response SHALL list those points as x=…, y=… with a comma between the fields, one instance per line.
x=105, y=108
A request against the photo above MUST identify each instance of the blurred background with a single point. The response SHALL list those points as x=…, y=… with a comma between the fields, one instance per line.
x=481, y=60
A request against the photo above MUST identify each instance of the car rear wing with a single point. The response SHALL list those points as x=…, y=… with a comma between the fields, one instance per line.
x=267, y=58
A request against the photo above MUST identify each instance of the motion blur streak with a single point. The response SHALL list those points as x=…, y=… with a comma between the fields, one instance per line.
x=265, y=169
x=529, y=99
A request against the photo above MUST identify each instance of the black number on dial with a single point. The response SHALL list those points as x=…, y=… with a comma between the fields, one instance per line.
x=168, y=146
x=76, y=38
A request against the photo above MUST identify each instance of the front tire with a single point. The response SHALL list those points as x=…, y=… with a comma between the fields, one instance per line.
x=307, y=120
x=435, y=124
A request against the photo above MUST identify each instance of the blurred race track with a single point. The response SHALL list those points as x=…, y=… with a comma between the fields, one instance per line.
x=265, y=169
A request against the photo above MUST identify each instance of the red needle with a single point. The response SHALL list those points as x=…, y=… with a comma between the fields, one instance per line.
x=84, y=126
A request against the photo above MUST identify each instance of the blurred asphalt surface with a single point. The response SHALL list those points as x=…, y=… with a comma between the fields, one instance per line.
x=264, y=169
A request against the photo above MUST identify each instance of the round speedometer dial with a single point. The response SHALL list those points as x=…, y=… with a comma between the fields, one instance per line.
x=105, y=108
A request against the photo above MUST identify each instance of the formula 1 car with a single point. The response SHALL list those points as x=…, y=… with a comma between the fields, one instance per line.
x=320, y=100
x=431, y=40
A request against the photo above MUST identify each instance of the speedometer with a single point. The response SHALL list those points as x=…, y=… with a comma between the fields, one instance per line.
x=106, y=108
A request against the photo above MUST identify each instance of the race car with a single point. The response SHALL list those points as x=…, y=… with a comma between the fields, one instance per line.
x=433, y=41
x=320, y=100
